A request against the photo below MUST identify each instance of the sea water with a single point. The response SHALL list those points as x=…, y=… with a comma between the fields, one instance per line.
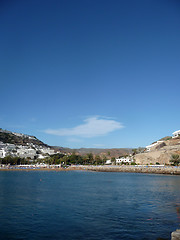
x=88, y=205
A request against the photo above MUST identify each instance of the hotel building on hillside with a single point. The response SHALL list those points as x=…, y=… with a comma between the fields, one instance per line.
x=176, y=134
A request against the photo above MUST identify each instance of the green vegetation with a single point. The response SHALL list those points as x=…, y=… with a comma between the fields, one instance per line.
x=165, y=138
x=113, y=160
x=61, y=159
x=137, y=150
x=13, y=160
x=175, y=159
x=133, y=163
x=168, y=138
x=53, y=159
x=9, y=137
x=75, y=159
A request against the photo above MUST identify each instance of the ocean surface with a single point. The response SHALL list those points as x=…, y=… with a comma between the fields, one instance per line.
x=88, y=205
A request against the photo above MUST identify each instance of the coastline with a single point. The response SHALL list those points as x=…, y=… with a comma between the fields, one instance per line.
x=171, y=170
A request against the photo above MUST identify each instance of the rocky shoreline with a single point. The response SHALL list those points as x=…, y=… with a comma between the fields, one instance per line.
x=134, y=169
x=171, y=170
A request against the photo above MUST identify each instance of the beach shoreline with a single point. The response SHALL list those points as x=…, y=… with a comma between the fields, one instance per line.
x=171, y=170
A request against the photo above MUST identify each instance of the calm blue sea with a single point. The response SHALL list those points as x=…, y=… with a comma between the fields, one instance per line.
x=88, y=205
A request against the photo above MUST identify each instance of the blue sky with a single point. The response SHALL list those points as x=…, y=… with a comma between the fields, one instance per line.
x=88, y=73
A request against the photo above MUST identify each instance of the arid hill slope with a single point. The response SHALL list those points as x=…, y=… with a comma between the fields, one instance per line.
x=160, y=153
x=102, y=152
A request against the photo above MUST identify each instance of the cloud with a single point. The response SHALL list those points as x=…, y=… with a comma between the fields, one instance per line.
x=92, y=127
x=74, y=140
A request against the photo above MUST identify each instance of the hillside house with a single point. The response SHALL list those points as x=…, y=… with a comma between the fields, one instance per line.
x=2, y=153
x=26, y=152
x=47, y=151
x=148, y=148
x=108, y=162
x=123, y=160
x=176, y=134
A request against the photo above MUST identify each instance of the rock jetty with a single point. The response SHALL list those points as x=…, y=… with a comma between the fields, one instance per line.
x=134, y=169
x=175, y=235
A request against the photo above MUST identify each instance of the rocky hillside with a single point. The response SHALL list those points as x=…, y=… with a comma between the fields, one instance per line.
x=23, y=139
x=19, y=138
x=112, y=152
x=102, y=152
x=160, y=153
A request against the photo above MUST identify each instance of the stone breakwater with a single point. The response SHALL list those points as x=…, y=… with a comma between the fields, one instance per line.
x=175, y=235
x=135, y=169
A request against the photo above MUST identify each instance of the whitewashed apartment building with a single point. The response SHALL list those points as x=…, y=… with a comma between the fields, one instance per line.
x=176, y=134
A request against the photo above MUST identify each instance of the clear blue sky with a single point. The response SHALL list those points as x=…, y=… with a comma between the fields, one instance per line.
x=88, y=73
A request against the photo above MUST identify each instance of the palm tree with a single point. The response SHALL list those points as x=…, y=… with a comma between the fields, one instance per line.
x=175, y=159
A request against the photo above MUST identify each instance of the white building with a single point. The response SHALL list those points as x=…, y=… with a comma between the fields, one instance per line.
x=26, y=152
x=48, y=151
x=148, y=148
x=176, y=134
x=40, y=156
x=108, y=162
x=123, y=160
x=2, y=153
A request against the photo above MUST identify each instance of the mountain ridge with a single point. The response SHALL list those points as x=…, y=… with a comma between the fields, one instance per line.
x=108, y=152
x=19, y=138
x=25, y=140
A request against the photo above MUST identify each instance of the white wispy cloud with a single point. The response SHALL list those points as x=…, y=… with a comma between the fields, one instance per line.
x=92, y=127
x=75, y=140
